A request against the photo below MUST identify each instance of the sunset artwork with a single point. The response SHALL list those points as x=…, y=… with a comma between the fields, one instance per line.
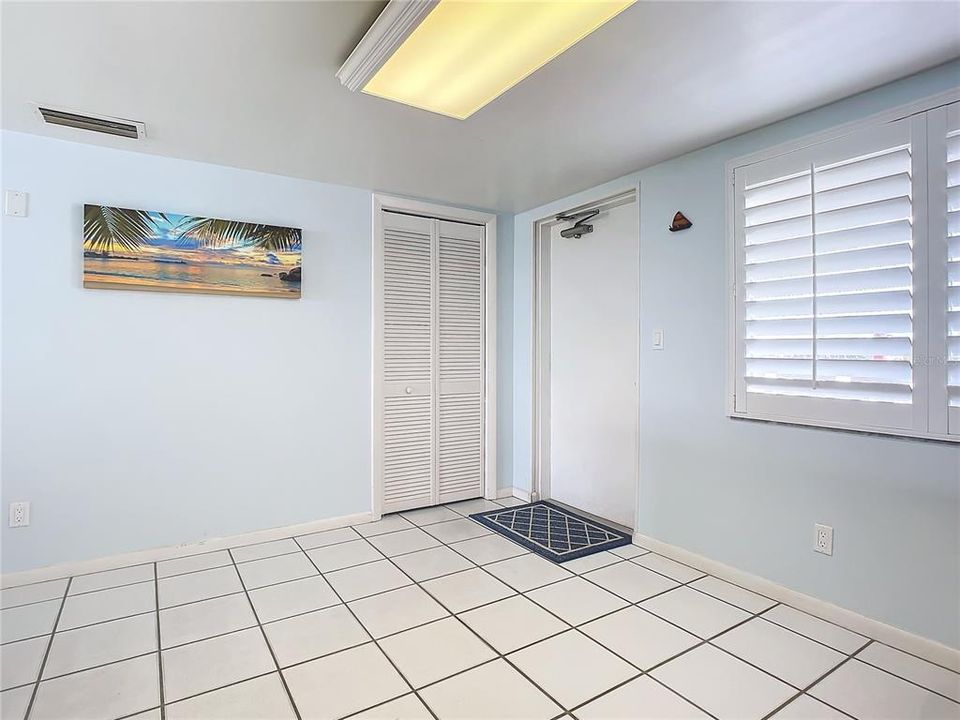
x=149, y=250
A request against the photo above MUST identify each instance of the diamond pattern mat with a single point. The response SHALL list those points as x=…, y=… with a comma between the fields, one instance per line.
x=554, y=532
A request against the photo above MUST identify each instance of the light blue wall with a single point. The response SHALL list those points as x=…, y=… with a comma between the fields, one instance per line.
x=745, y=493
x=134, y=420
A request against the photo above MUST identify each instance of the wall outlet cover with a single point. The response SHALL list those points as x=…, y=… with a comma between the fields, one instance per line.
x=19, y=514
x=823, y=539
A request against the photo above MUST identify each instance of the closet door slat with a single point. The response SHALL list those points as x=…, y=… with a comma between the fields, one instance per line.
x=460, y=348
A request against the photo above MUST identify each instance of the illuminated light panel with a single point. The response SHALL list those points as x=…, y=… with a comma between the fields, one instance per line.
x=466, y=53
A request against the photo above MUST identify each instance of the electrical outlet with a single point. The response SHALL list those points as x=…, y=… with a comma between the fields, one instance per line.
x=19, y=514
x=823, y=540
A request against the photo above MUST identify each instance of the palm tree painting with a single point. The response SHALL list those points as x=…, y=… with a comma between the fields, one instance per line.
x=150, y=250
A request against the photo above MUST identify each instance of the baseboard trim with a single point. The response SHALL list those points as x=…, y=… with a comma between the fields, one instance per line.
x=509, y=492
x=888, y=634
x=140, y=557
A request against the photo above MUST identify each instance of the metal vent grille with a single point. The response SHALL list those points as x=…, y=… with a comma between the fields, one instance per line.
x=100, y=124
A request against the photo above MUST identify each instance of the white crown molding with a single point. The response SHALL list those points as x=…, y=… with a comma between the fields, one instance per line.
x=388, y=32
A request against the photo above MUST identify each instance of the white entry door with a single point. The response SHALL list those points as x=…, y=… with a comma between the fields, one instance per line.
x=431, y=366
x=594, y=346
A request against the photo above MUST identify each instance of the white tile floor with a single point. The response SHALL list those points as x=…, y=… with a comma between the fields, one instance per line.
x=428, y=615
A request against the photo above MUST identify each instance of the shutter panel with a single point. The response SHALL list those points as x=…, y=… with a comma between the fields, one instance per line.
x=408, y=426
x=826, y=243
x=953, y=266
x=460, y=344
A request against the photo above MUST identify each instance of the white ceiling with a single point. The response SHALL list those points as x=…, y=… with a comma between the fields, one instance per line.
x=252, y=85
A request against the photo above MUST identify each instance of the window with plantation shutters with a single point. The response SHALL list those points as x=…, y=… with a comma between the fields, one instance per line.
x=834, y=286
x=432, y=363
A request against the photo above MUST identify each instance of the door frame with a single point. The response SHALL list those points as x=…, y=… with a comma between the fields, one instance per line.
x=540, y=457
x=382, y=202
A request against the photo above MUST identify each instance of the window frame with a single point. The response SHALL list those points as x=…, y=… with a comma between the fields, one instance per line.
x=843, y=414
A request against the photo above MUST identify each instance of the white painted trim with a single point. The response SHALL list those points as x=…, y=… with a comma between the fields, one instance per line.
x=513, y=492
x=838, y=131
x=540, y=403
x=730, y=303
x=388, y=32
x=171, y=552
x=909, y=642
x=383, y=202
x=521, y=494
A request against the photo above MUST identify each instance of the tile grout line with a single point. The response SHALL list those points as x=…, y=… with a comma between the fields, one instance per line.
x=372, y=638
x=323, y=573
x=759, y=613
x=893, y=674
x=576, y=628
x=231, y=684
x=753, y=616
x=263, y=634
x=629, y=604
x=156, y=597
x=476, y=634
x=137, y=656
x=803, y=692
x=570, y=627
x=46, y=654
x=763, y=616
x=228, y=632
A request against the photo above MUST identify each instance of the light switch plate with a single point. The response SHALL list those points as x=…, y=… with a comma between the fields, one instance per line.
x=658, y=339
x=15, y=203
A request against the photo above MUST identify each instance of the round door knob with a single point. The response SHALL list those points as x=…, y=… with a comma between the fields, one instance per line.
x=409, y=390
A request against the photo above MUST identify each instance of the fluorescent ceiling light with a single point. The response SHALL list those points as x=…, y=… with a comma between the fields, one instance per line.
x=454, y=56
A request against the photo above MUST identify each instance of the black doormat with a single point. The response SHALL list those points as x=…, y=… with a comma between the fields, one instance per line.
x=554, y=532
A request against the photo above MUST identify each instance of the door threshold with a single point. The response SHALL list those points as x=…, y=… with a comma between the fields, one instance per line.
x=597, y=518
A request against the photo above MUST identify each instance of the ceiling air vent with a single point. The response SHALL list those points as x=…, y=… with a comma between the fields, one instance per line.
x=94, y=123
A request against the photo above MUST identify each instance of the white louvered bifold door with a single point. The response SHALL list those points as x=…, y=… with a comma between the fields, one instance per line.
x=432, y=392
x=828, y=317
x=408, y=374
x=460, y=344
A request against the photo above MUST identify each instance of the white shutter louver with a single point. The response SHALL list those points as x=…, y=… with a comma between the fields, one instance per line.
x=407, y=362
x=460, y=314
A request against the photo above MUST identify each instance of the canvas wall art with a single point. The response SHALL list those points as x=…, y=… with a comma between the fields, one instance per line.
x=151, y=250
